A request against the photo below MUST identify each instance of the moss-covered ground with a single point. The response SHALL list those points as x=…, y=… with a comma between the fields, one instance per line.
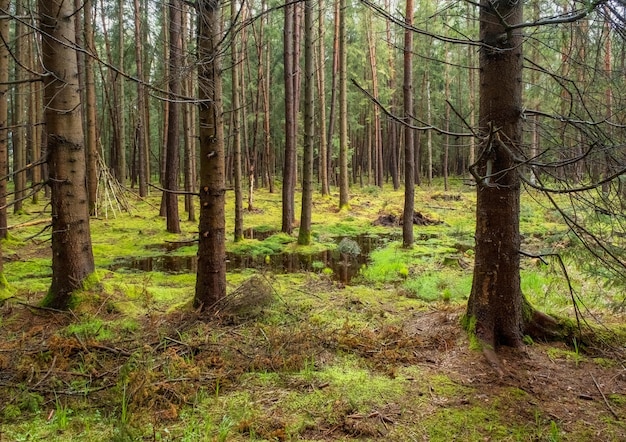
x=305, y=356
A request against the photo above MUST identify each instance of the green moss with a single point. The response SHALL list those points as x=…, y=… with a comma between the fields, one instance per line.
x=469, y=325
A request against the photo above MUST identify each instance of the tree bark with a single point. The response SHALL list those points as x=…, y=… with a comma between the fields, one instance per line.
x=72, y=256
x=91, y=138
x=140, y=127
x=497, y=310
x=4, y=116
x=409, y=162
x=18, y=134
x=344, y=180
x=304, y=235
x=289, y=167
x=236, y=126
x=321, y=92
x=211, y=275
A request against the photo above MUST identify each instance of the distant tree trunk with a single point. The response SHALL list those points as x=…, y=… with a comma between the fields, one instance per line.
x=321, y=91
x=445, y=166
x=304, y=235
x=377, y=129
x=18, y=134
x=332, y=112
x=173, y=127
x=4, y=117
x=344, y=179
x=409, y=162
x=497, y=308
x=429, y=139
x=142, y=148
x=290, y=123
x=235, y=129
x=189, y=125
x=265, y=81
x=91, y=138
x=211, y=276
x=471, y=86
x=72, y=256
x=120, y=98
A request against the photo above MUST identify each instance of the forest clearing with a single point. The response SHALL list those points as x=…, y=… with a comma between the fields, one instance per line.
x=305, y=355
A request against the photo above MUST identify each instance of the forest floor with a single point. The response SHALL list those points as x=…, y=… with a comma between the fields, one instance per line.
x=374, y=353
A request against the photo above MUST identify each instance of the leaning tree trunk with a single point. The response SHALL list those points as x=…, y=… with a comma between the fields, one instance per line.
x=211, y=276
x=72, y=257
x=497, y=309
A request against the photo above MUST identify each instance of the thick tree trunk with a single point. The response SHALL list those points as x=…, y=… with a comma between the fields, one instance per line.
x=72, y=257
x=173, y=127
x=497, y=309
x=211, y=276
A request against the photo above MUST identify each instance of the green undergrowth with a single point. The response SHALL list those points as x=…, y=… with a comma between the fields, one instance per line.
x=381, y=357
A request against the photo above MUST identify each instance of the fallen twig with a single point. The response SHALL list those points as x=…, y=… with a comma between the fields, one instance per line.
x=604, y=397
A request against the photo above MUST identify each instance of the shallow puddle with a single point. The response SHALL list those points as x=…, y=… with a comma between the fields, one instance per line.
x=344, y=266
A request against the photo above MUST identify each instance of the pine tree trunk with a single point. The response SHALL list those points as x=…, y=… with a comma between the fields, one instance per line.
x=4, y=117
x=18, y=134
x=140, y=128
x=344, y=180
x=91, y=139
x=289, y=167
x=321, y=92
x=497, y=309
x=235, y=127
x=409, y=162
x=211, y=276
x=304, y=235
x=173, y=127
x=72, y=257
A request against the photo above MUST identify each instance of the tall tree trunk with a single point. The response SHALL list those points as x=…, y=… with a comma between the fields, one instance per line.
x=334, y=78
x=321, y=92
x=72, y=256
x=409, y=162
x=236, y=125
x=140, y=138
x=211, y=276
x=173, y=127
x=445, y=166
x=120, y=99
x=429, y=134
x=91, y=138
x=289, y=168
x=344, y=179
x=189, y=125
x=304, y=235
x=4, y=117
x=496, y=307
x=18, y=135
x=377, y=129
